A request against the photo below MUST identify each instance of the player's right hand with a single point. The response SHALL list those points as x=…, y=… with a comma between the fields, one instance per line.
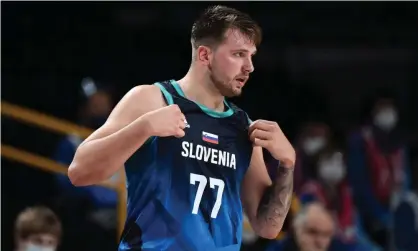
x=165, y=122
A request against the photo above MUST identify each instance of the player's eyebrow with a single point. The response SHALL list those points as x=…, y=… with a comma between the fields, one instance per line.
x=246, y=51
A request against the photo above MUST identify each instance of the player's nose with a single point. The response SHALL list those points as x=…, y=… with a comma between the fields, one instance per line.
x=248, y=67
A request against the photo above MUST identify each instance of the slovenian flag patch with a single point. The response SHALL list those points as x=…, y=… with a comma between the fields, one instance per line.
x=210, y=138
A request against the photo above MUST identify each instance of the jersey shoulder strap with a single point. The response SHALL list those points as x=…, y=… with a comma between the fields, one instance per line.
x=173, y=95
x=168, y=91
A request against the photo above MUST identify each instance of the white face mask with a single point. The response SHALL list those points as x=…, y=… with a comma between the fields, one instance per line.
x=34, y=247
x=332, y=170
x=386, y=119
x=312, y=145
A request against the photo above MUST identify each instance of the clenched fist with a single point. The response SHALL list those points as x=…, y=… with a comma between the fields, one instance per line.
x=166, y=121
x=268, y=135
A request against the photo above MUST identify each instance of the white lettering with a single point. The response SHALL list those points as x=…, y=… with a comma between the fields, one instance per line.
x=185, y=151
x=214, y=156
x=211, y=155
x=222, y=158
x=202, y=180
x=191, y=152
x=207, y=154
x=233, y=162
x=199, y=152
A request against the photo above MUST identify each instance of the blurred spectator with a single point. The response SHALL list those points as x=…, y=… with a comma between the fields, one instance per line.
x=92, y=208
x=313, y=138
x=97, y=104
x=93, y=113
x=313, y=229
x=378, y=166
x=405, y=218
x=331, y=189
x=37, y=229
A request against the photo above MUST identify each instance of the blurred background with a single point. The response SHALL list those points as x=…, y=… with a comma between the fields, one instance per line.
x=339, y=77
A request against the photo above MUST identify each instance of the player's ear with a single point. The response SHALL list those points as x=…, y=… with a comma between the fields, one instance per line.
x=204, y=54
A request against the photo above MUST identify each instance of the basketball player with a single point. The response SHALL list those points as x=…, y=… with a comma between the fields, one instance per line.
x=190, y=156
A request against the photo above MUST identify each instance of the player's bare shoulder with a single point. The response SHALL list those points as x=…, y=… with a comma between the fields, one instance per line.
x=138, y=101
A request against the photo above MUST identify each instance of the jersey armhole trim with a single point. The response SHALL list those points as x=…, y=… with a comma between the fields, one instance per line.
x=167, y=96
x=248, y=119
x=149, y=140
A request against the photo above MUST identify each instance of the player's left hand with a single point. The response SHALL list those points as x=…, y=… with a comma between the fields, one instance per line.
x=268, y=135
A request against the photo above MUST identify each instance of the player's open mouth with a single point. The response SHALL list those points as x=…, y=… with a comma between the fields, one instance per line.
x=241, y=81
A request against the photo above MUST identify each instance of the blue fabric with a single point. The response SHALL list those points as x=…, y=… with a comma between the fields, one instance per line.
x=405, y=229
x=359, y=179
x=184, y=193
x=364, y=242
x=100, y=196
x=407, y=169
x=306, y=198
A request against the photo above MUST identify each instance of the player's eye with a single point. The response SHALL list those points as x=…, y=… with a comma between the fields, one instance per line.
x=239, y=54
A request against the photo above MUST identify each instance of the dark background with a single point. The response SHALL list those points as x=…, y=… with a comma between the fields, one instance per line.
x=318, y=60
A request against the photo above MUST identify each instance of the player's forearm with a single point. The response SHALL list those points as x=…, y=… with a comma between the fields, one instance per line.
x=275, y=204
x=99, y=159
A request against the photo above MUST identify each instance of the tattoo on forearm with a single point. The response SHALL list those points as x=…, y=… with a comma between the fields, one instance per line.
x=277, y=199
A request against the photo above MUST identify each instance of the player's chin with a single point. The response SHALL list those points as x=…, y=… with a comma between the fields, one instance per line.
x=237, y=90
x=234, y=92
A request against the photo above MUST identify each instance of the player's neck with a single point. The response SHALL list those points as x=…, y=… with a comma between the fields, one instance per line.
x=200, y=89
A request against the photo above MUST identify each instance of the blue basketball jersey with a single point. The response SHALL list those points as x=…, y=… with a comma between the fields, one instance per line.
x=184, y=193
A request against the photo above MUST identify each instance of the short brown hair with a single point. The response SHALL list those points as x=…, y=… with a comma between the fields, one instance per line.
x=209, y=29
x=37, y=220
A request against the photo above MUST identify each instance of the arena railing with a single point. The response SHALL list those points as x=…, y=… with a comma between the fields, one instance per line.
x=46, y=164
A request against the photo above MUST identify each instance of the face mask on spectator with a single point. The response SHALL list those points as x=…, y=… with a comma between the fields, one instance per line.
x=312, y=145
x=386, y=119
x=332, y=170
x=34, y=247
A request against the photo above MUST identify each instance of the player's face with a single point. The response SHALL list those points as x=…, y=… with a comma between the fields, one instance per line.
x=231, y=63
